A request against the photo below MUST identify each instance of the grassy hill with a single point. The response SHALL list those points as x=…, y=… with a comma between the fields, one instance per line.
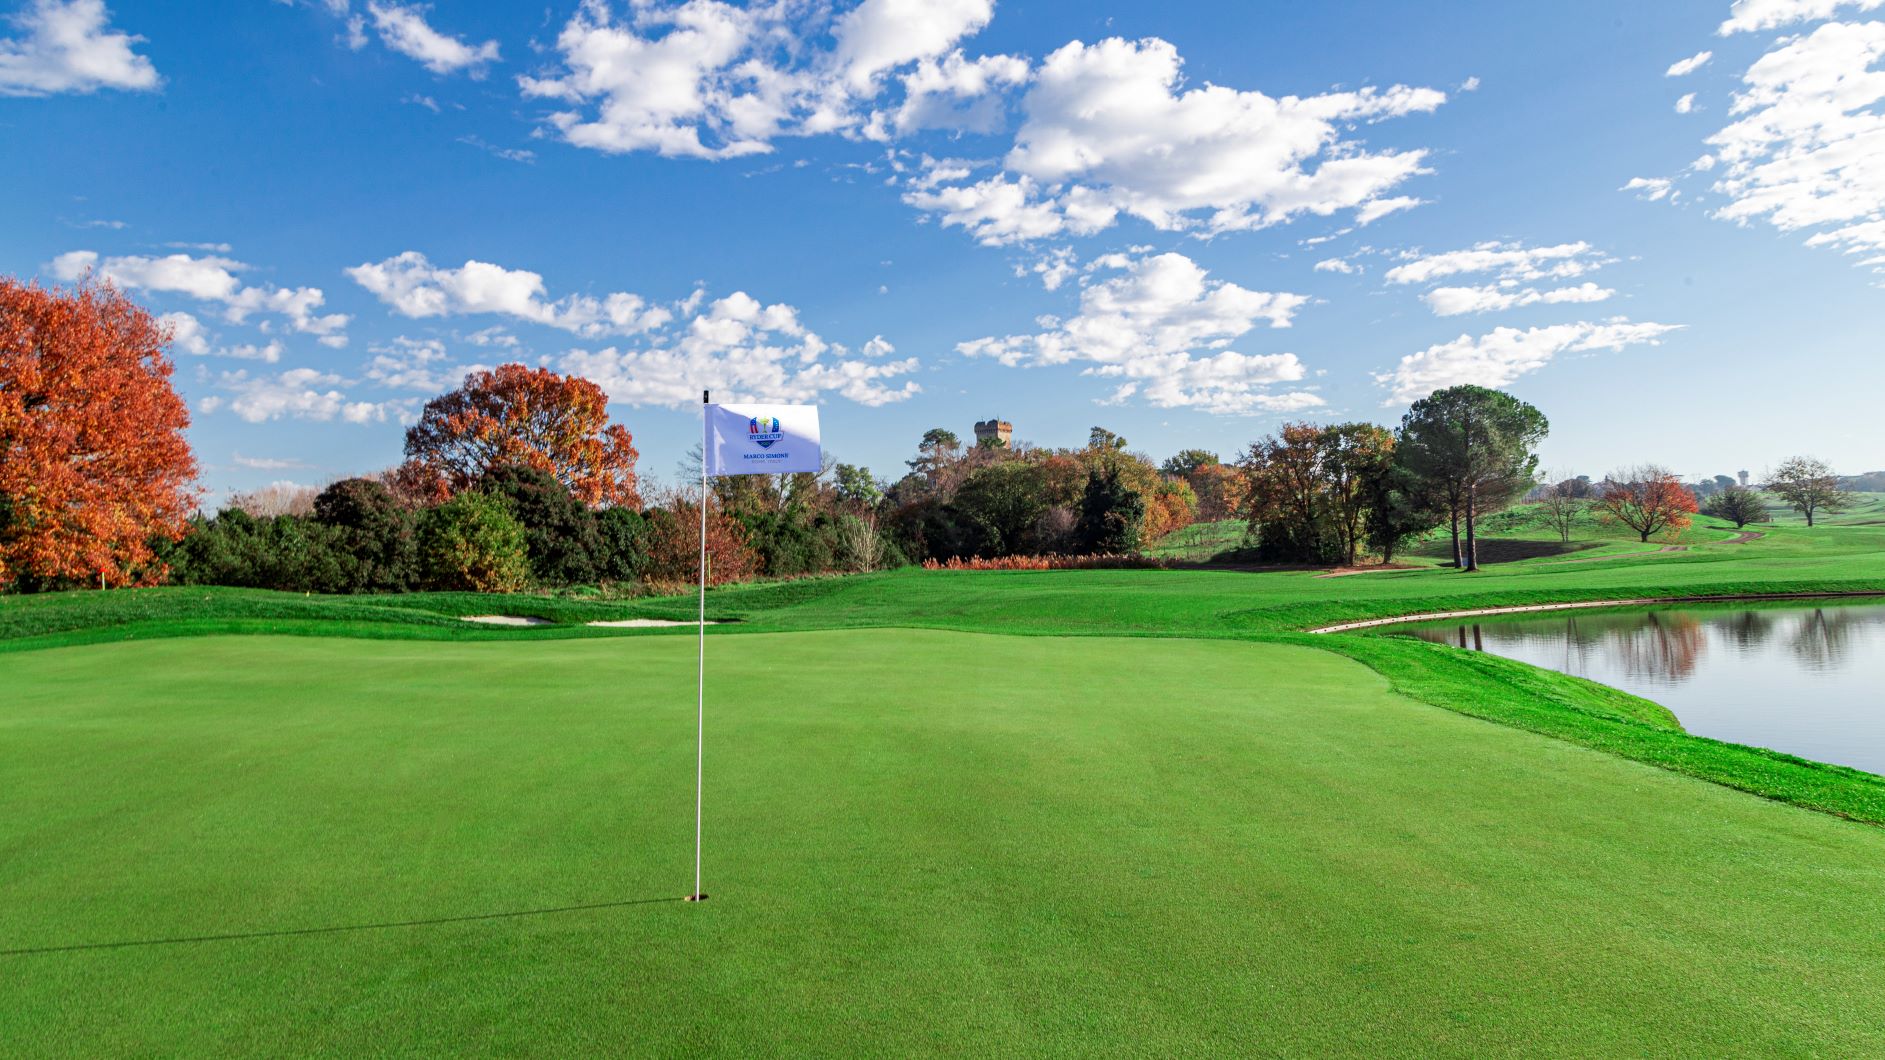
x=948, y=812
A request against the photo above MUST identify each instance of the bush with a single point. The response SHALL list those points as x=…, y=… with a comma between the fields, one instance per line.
x=373, y=533
x=285, y=552
x=622, y=539
x=473, y=542
x=559, y=532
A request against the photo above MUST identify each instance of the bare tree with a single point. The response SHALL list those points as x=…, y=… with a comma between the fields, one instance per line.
x=276, y=498
x=1808, y=486
x=1565, y=504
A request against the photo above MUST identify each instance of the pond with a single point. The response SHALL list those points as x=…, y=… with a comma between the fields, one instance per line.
x=1807, y=679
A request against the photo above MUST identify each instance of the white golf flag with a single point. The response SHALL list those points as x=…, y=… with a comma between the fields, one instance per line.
x=761, y=439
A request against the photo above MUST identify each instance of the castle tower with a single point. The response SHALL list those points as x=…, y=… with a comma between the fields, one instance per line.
x=1744, y=478
x=996, y=430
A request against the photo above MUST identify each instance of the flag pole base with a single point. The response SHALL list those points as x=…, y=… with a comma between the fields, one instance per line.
x=695, y=898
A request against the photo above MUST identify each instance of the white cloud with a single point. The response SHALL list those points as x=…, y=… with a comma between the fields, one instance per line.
x=1111, y=128
x=298, y=393
x=186, y=333
x=1341, y=265
x=743, y=349
x=416, y=364
x=1685, y=104
x=1164, y=328
x=1501, y=356
x=208, y=279
x=1508, y=261
x=68, y=46
x=1807, y=148
x=707, y=79
x=1751, y=15
x=404, y=29
x=265, y=463
x=414, y=287
x=1685, y=67
x=1453, y=301
x=1650, y=189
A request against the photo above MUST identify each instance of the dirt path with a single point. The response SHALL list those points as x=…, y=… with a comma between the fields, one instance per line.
x=1745, y=536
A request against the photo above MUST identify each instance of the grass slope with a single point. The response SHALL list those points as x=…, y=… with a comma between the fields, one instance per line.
x=921, y=842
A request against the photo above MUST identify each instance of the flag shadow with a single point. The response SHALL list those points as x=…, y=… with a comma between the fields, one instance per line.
x=184, y=940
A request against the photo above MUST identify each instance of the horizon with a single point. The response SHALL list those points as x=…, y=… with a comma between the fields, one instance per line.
x=925, y=221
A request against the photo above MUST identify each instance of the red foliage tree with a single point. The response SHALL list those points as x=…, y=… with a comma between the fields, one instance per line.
x=674, y=545
x=515, y=414
x=93, y=464
x=1647, y=499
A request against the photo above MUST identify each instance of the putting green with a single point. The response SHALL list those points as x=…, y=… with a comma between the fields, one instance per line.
x=918, y=842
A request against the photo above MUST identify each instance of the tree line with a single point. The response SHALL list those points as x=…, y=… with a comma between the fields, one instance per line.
x=517, y=478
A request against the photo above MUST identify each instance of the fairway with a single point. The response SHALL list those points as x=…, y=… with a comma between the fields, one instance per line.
x=918, y=841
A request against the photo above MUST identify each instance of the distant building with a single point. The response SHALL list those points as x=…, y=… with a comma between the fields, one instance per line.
x=1743, y=476
x=993, y=431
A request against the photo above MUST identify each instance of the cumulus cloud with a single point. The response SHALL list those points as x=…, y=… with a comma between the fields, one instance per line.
x=1341, y=265
x=298, y=393
x=1163, y=328
x=69, y=46
x=414, y=287
x=735, y=345
x=416, y=364
x=1685, y=104
x=403, y=28
x=1111, y=128
x=707, y=79
x=1685, y=67
x=1752, y=15
x=1503, y=355
x=744, y=349
x=1807, y=147
x=211, y=278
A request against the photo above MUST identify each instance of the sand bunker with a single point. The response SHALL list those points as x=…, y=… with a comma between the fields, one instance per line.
x=508, y=620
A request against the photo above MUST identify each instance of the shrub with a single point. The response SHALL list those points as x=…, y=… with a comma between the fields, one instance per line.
x=473, y=542
x=285, y=552
x=622, y=539
x=559, y=533
x=373, y=533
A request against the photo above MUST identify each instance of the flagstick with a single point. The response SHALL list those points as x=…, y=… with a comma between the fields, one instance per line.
x=700, y=684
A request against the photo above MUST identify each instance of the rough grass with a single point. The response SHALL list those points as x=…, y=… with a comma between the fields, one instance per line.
x=920, y=843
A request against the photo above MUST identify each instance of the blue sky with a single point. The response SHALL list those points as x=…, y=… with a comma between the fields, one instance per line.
x=1186, y=222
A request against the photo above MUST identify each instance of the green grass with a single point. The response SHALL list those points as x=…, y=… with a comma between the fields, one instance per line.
x=920, y=842
x=1154, y=816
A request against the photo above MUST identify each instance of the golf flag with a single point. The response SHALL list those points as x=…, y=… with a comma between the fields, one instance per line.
x=761, y=439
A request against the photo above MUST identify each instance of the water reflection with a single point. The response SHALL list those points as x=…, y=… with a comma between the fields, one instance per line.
x=1805, y=679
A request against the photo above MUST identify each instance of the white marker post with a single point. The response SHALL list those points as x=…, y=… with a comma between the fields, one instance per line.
x=758, y=439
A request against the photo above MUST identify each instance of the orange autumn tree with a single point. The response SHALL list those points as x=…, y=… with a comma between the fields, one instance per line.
x=514, y=414
x=94, y=467
x=1648, y=499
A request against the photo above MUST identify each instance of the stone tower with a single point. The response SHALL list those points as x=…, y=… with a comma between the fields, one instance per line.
x=993, y=430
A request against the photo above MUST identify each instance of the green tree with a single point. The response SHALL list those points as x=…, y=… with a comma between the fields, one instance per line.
x=1808, y=486
x=1112, y=514
x=1738, y=505
x=374, y=532
x=1001, y=503
x=1476, y=447
x=622, y=539
x=1185, y=461
x=1354, y=457
x=473, y=542
x=1398, y=510
x=559, y=531
x=1104, y=440
x=857, y=486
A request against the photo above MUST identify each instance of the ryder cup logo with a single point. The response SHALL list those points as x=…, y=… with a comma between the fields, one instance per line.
x=763, y=431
